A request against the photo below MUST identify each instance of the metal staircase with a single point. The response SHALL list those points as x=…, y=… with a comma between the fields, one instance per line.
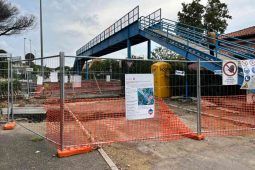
x=192, y=39
x=192, y=43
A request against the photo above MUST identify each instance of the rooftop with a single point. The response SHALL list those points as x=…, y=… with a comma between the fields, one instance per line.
x=242, y=33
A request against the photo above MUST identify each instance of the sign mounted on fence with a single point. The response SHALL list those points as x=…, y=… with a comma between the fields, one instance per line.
x=76, y=81
x=66, y=79
x=179, y=73
x=108, y=78
x=249, y=74
x=229, y=72
x=39, y=80
x=139, y=92
x=54, y=77
x=29, y=69
x=217, y=72
x=129, y=63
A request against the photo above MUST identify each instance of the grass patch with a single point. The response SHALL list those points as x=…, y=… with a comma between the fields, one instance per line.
x=37, y=139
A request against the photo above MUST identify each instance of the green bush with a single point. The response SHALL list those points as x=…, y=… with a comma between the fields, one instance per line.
x=4, y=86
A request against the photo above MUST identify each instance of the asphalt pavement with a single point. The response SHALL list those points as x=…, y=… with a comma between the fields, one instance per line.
x=19, y=150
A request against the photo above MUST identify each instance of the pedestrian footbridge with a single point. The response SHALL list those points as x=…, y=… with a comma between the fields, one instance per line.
x=188, y=41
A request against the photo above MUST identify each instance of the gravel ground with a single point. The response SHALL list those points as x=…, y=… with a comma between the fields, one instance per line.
x=214, y=153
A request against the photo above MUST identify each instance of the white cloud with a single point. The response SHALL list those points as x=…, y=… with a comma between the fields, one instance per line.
x=69, y=24
x=5, y=46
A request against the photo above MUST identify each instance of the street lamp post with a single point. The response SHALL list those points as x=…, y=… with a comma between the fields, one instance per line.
x=24, y=48
x=41, y=36
x=30, y=43
x=30, y=52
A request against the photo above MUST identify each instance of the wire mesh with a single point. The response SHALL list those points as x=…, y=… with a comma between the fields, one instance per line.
x=5, y=87
x=3, y=78
x=94, y=109
x=226, y=110
x=31, y=108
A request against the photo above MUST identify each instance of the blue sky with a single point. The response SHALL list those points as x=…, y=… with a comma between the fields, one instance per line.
x=69, y=24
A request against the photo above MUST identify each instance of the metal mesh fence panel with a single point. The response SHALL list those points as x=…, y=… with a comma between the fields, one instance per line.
x=95, y=104
x=226, y=110
x=5, y=89
x=31, y=104
x=91, y=106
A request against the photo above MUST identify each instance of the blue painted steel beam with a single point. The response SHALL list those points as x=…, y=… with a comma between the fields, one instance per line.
x=116, y=41
x=87, y=70
x=129, y=48
x=149, y=49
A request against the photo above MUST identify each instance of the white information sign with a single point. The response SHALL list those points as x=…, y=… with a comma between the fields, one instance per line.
x=218, y=72
x=139, y=92
x=249, y=74
x=66, y=79
x=39, y=80
x=54, y=77
x=179, y=73
x=229, y=72
x=29, y=69
x=76, y=81
x=108, y=78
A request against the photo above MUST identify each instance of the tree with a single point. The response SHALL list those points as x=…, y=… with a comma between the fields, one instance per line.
x=216, y=15
x=164, y=54
x=192, y=14
x=3, y=65
x=106, y=66
x=212, y=16
x=11, y=22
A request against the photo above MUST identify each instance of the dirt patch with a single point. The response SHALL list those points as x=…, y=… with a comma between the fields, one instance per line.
x=213, y=153
x=125, y=156
x=235, y=153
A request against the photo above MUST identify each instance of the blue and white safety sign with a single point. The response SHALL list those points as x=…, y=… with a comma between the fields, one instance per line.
x=249, y=74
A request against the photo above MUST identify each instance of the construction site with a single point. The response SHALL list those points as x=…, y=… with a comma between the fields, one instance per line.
x=140, y=108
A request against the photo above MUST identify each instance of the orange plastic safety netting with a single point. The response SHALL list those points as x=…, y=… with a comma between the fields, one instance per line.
x=102, y=121
x=227, y=115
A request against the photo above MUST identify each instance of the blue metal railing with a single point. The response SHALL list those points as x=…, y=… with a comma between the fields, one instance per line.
x=123, y=22
x=188, y=34
x=198, y=36
x=155, y=16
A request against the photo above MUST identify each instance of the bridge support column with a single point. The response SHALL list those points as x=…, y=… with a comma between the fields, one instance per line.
x=187, y=86
x=87, y=70
x=129, y=48
x=186, y=79
x=79, y=68
x=149, y=49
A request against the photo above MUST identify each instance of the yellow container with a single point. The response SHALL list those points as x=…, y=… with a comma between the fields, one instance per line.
x=161, y=72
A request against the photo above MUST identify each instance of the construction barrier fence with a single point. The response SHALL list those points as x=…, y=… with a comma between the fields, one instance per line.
x=91, y=106
x=5, y=88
